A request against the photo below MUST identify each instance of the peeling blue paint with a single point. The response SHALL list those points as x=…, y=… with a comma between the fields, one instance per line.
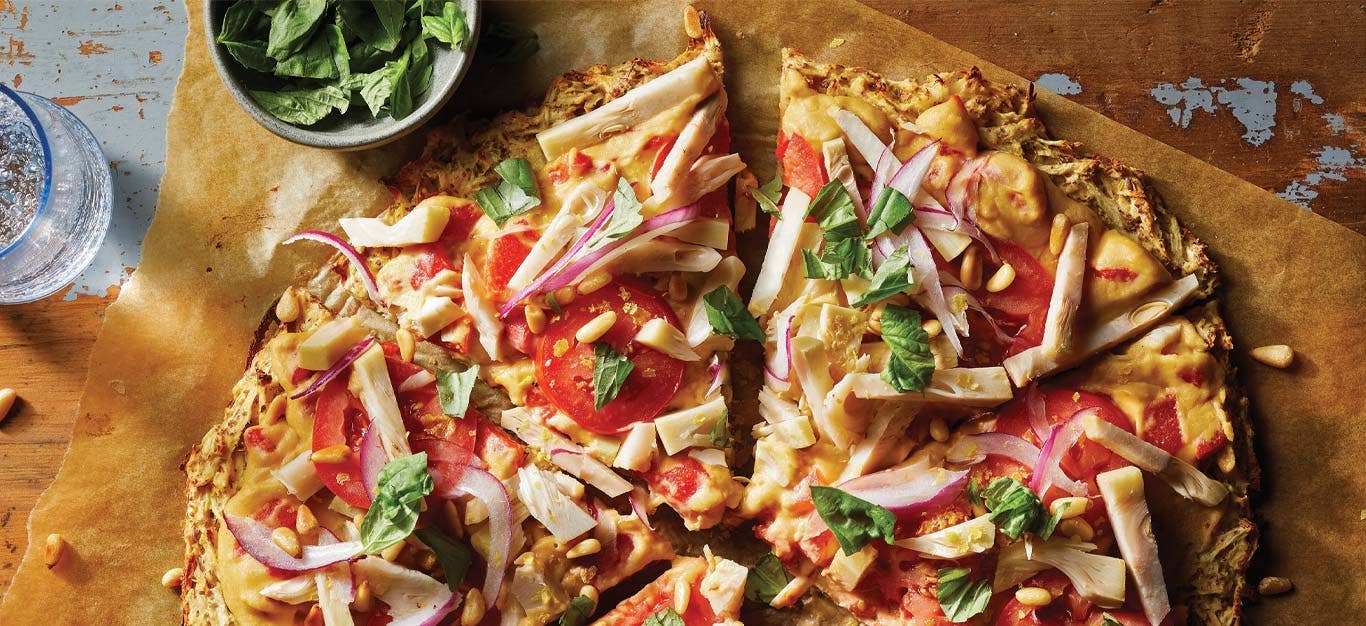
x=1303, y=88
x=1334, y=163
x=1337, y=124
x=1060, y=84
x=1252, y=103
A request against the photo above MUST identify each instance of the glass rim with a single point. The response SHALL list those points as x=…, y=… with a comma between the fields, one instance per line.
x=47, y=166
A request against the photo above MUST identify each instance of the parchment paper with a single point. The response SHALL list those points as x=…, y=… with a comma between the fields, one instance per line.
x=178, y=336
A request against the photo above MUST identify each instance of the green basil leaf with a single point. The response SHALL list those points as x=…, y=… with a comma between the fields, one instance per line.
x=420, y=68
x=302, y=106
x=892, y=278
x=834, y=210
x=729, y=316
x=610, y=370
x=664, y=617
x=453, y=388
x=766, y=579
x=455, y=558
x=1015, y=508
x=1051, y=522
x=378, y=23
x=401, y=89
x=911, y=364
x=853, y=520
x=626, y=216
x=974, y=491
x=554, y=304
x=341, y=56
x=315, y=60
x=891, y=213
x=1109, y=620
x=403, y=482
x=251, y=54
x=515, y=195
x=960, y=597
x=580, y=609
x=839, y=259
x=720, y=431
x=450, y=28
x=507, y=42
x=366, y=58
x=239, y=22
x=292, y=25
x=768, y=195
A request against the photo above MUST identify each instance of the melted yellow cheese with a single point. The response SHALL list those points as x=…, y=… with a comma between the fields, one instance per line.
x=1171, y=362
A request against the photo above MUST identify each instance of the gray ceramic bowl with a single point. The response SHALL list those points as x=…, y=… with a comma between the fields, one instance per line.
x=356, y=129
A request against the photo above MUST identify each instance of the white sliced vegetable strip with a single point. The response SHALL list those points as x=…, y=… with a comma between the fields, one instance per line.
x=1059, y=325
x=413, y=598
x=370, y=382
x=421, y=225
x=688, y=146
x=690, y=427
x=708, y=174
x=688, y=83
x=974, y=536
x=812, y=367
x=523, y=423
x=538, y=490
x=1096, y=577
x=659, y=334
x=299, y=476
x=1183, y=477
x=1033, y=363
x=966, y=386
x=590, y=470
x=667, y=256
x=861, y=456
x=837, y=165
x=1122, y=490
x=728, y=273
x=865, y=141
x=481, y=307
x=335, y=594
x=925, y=273
x=706, y=232
x=782, y=246
x=585, y=201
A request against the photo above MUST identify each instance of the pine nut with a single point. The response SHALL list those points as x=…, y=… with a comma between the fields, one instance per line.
x=939, y=430
x=473, y=613
x=1004, y=276
x=692, y=23
x=1075, y=506
x=1058, y=234
x=1076, y=528
x=535, y=318
x=875, y=318
x=392, y=553
x=932, y=328
x=970, y=272
x=565, y=295
x=275, y=411
x=287, y=308
x=365, y=599
x=259, y=602
x=1033, y=596
x=288, y=540
x=584, y=548
x=7, y=398
x=1279, y=356
x=682, y=595
x=593, y=282
x=590, y=592
x=407, y=344
x=304, y=521
x=331, y=454
x=595, y=328
x=428, y=561
x=54, y=550
x=475, y=512
x=173, y=577
x=454, y=524
x=1274, y=585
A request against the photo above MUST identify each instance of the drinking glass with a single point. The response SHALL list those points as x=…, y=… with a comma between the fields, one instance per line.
x=56, y=196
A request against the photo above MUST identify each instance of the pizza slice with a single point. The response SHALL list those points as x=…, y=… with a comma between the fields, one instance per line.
x=581, y=254
x=694, y=591
x=349, y=485
x=935, y=264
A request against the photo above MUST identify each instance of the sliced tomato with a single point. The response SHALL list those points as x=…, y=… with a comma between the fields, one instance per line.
x=431, y=259
x=678, y=482
x=463, y=217
x=568, y=167
x=564, y=367
x=338, y=418
x=662, y=143
x=506, y=254
x=1024, y=304
x=1086, y=458
x=518, y=333
x=802, y=167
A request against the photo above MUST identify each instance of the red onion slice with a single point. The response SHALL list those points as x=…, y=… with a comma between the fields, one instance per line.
x=716, y=378
x=368, y=278
x=911, y=175
x=1048, y=471
x=781, y=369
x=416, y=381
x=927, y=274
x=1038, y=419
x=638, y=507
x=486, y=488
x=536, y=286
x=254, y=537
x=975, y=448
x=337, y=368
x=886, y=164
x=656, y=226
x=909, y=489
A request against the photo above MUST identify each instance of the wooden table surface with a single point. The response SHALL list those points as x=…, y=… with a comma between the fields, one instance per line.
x=1274, y=92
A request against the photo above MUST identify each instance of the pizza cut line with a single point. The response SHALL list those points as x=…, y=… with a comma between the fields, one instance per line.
x=507, y=399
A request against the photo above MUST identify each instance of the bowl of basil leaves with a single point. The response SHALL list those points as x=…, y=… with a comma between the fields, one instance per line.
x=342, y=74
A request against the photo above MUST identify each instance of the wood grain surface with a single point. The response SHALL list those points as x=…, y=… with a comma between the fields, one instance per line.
x=1208, y=60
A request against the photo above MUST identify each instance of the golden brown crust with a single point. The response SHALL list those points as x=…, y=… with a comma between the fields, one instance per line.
x=1121, y=196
